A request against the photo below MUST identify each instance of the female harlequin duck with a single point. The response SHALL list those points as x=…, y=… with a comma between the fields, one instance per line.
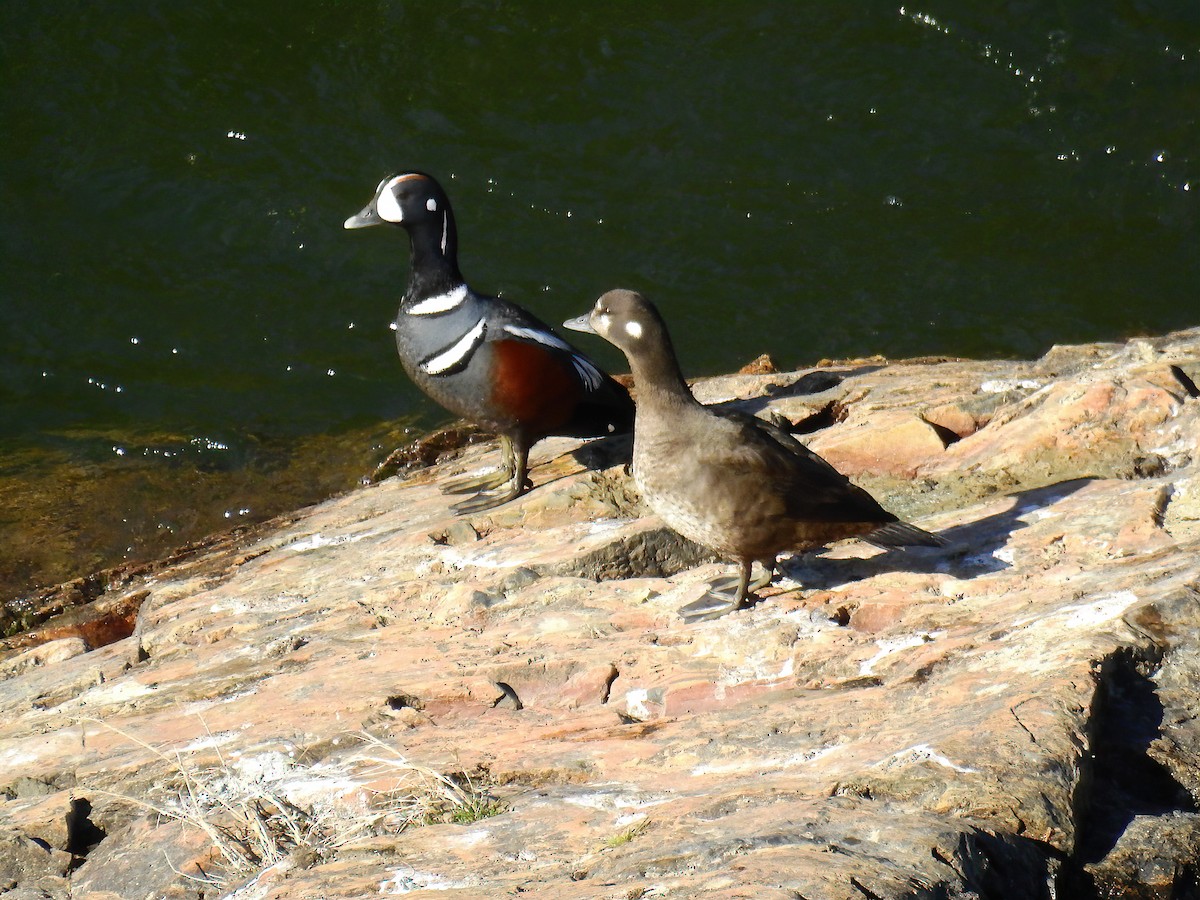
x=732, y=482
x=483, y=358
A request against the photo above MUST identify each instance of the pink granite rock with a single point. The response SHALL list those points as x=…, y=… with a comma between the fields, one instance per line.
x=1011, y=716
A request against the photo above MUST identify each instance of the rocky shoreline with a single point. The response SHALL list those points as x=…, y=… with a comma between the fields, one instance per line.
x=371, y=697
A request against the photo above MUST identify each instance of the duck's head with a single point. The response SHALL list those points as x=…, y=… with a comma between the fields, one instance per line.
x=626, y=319
x=408, y=200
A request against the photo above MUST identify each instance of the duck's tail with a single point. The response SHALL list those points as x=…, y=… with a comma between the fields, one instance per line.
x=901, y=534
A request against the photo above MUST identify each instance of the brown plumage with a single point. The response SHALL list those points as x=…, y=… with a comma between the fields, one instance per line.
x=737, y=484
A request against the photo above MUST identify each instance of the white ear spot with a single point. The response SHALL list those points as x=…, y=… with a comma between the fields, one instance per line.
x=633, y=329
x=431, y=205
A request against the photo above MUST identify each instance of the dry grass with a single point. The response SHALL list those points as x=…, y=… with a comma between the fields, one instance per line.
x=626, y=835
x=425, y=796
x=289, y=812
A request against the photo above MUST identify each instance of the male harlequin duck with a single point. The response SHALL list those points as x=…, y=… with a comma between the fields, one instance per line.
x=483, y=358
x=732, y=482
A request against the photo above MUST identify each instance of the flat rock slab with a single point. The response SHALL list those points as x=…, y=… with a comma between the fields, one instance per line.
x=1013, y=715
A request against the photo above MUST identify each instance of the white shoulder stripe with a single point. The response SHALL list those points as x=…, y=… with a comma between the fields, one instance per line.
x=457, y=354
x=439, y=303
x=537, y=334
x=592, y=377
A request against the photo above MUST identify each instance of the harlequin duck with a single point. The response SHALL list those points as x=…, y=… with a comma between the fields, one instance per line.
x=732, y=482
x=483, y=358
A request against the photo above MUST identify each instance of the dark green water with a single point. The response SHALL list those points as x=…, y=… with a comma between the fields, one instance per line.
x=189, y=332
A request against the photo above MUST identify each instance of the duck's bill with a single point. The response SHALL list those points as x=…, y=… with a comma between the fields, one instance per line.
x=579, y=323
x=368, y=216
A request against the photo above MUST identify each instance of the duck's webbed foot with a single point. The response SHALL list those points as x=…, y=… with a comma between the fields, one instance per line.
x=495, y=488
x=727, y=594
x=508, y=490
x=487, y=481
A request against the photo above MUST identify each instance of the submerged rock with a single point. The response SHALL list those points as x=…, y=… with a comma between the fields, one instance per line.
x=371, y=697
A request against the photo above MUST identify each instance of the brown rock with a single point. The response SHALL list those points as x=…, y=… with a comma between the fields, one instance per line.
x=147, y=859
x=1149, y=853
x=25, y=861
x=1011, y=716
x=45, y=818
x=760, y=365
x=43, y=654
x=883, y=443
x=953, y=422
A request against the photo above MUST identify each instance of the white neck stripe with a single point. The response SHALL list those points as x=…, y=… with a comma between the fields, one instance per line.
x=457, y=354
x=440, y=303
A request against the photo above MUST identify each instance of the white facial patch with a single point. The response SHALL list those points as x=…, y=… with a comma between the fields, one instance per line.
x=603, y=321
x=439, y=303
x=387, y=205
x=431, y=205
x=633, y=328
